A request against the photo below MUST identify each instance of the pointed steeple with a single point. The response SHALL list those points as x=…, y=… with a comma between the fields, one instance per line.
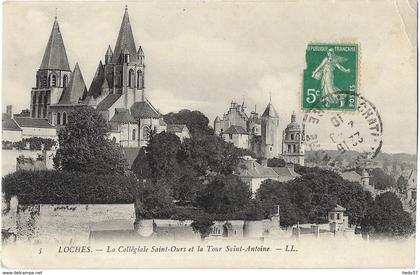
x=125, y=39
x=96, y=85
x=270, y=111
x=55, y=57
x=76, y=90
x=108, y=55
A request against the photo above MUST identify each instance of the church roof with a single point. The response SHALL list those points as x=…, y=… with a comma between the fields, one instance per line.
x=55, y=57
x=270, y=111
x=144, y=109
x=235, y=130
x=95, y=88
x=76, y=89
x=33, y=122
x=125, y=40
x=107, y=102
x=122, y=116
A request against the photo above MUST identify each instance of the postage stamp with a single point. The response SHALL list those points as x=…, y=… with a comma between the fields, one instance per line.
x=330, y=80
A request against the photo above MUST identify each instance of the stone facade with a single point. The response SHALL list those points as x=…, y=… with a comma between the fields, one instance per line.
x=262, y=134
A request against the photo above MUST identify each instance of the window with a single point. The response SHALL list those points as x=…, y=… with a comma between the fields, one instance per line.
x=65, y=81
x=131, y=79
x=58, y=118
x=64, y=118
x=139, y=79
x=53, y=80
x=133, y=135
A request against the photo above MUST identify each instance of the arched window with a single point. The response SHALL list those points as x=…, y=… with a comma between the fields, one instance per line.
x=139, y=79
x=58, y=118
x=64, y=118
x=145, y=133
x=131, y=79
x=133, y=135
x=65, y=81
x=53, y=80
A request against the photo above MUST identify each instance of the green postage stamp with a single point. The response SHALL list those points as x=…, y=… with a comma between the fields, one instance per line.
x=330, y=79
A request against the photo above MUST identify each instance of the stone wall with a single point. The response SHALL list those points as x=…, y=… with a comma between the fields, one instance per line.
x=61, y=224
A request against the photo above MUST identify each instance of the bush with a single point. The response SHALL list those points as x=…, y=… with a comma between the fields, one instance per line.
x=59, y=187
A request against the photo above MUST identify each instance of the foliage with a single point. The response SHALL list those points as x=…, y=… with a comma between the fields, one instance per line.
x=310, y=197
x=35, y=143
x=380, y=180
x=386, y=217
x=85, y=147
x=402, y=184
x=227, y=195
x=197, y=122
x=60, y=187
x=276, y=162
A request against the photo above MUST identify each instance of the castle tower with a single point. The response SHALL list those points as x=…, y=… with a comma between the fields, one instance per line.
x=124, y=67
x=293, y=148
x=270, y=132
x=52, y=77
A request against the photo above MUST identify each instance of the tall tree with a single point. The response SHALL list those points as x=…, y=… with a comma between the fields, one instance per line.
x=85, y=147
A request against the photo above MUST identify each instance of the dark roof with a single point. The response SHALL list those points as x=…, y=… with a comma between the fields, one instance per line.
x=270, y=111
x=130, y=154
x=256, y=170
x=285, y=173
x=9, y=124
x=107, y=102
x=95, y=89
x=122, y=116
x=338, y=208
x=125, y=40
x=144, y=109
x=234, y=129
x=55, y=57
x=175, y=128
x=33, y=122
x=76, y=90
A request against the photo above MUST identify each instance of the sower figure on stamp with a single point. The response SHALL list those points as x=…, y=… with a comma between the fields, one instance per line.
x=325, y=73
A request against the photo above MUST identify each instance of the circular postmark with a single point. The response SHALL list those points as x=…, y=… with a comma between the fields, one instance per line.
x=357, y=132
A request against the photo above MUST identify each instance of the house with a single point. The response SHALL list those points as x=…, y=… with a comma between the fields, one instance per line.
x=180, y=130
x=236, y=135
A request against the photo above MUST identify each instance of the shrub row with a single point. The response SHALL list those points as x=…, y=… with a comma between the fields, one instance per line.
x=58, y=187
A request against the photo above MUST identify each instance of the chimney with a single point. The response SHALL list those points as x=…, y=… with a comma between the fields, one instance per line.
x=9, y=110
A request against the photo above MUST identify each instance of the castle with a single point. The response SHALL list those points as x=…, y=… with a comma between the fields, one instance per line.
x=262, y=134
x=117, y=90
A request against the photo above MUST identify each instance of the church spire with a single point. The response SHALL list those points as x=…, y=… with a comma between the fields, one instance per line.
x=55, y=57
x=125, y=40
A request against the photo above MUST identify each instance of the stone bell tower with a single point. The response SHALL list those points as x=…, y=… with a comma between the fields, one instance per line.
x=293, y=147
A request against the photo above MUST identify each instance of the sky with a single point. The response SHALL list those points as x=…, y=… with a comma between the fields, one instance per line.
x=201, y=55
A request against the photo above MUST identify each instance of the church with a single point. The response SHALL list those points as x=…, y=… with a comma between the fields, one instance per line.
x=262, y=134
x=117, y=90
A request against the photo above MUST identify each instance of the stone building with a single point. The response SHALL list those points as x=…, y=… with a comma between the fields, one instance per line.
x=262, y=134
x=293, y=148
x=117, y=90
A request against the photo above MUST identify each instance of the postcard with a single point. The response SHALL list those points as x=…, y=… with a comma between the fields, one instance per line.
x=209, y=134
